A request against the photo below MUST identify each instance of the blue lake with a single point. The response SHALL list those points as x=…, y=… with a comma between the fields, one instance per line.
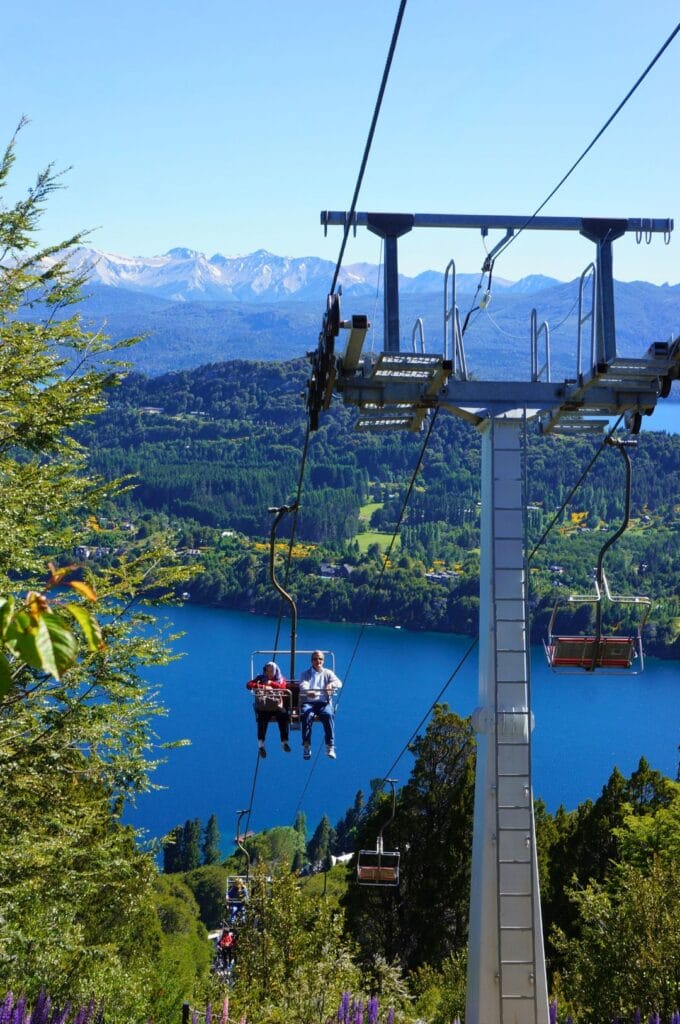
x=585, y=725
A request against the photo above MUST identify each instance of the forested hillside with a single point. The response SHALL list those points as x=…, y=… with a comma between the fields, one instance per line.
x=214, y=448
x=608, y=869
x=90, y=930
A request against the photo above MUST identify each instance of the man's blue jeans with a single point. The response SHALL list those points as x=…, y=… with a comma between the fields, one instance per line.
x=324, y=712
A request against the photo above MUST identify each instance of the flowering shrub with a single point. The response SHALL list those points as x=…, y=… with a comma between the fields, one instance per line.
x=635, y=1017
x=43, y=1012
x=355, y=1011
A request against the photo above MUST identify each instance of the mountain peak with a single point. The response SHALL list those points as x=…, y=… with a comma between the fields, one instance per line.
x=181, y=253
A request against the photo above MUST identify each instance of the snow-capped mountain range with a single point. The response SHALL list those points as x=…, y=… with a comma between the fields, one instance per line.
x=184, y=275
x=191, y=309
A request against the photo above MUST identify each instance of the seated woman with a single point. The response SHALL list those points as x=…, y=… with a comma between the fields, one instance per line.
x=267, y=706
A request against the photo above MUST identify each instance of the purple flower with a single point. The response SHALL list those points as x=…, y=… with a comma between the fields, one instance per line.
x=343, y=1009
x=18, y=1011
x=6, y=1008
x=372, y=1010
x=208, y=1014
x=390, y=1015
x=637, y=1016
x=552, y=1011
x=41, y=1010
x=60, y=1016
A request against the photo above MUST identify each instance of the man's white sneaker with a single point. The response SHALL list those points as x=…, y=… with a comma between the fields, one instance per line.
x=330, y=751
x=306, y=751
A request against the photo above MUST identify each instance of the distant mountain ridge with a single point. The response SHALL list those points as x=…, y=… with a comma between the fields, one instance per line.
x=192, y=310
x=185, y=275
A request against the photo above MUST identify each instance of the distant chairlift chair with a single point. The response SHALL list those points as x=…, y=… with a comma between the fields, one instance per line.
x=379, y=866
x=237, y=885
x=611, y=651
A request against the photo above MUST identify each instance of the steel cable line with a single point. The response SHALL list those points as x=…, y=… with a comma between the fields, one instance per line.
x=388, y=552
x=298, y=495
x=572, y=492
x=585, y=152
x=355, y=197
x=252, y=791
x=362, y=630
x=427, y=714
x=471, y=647
x=369, y=141
x=474, y=642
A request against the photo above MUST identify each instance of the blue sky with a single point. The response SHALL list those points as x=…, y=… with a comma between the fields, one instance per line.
x=227, y=126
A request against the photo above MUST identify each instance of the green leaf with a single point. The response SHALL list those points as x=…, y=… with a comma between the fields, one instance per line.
x=21, y=640
x=5, y=675
x=6, y=612
x=63, y=645
x=43, y=642
x=89, y=625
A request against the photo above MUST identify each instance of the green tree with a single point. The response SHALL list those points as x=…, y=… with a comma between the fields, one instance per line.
x=346, y=828
x=293, y=961
x=173, y=859
x=319, y=846
x=432, y=830
x=77, y=912
x=211, y=842
x=277, y=847
x=580, y=847
x=300, y=827
x=209, y=886
x=626, y=952
x=186, y=951
x=191, y=839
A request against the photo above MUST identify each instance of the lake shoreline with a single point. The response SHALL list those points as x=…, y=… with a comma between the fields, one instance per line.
x=663, y=652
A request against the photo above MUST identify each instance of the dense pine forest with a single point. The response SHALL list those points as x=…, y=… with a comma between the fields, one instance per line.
x=210, y=450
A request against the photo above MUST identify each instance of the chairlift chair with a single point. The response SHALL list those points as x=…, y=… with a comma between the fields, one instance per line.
x=237, y=885
x=289, y=695
x=380, y=867
x=610, y=652
x=607, y=650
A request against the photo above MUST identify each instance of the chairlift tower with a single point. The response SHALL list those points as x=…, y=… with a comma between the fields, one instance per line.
x=397, y=390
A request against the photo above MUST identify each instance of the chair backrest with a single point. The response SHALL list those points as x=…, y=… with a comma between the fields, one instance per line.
x=378, y=867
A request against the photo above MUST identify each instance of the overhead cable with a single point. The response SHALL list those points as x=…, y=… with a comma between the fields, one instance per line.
x=369, y=141
x=572, y=492
x=592, y=143
x=427, y=714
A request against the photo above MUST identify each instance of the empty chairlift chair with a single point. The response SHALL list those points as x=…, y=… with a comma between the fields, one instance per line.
x=614, y=645
x=379, y=866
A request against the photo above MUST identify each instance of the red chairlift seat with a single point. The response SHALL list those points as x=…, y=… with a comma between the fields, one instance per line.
x=380, y=866
x=589, y=652
x=377, y=867
x=606, y=651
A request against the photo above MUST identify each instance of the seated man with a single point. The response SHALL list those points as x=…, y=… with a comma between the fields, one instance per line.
x=317, y=686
